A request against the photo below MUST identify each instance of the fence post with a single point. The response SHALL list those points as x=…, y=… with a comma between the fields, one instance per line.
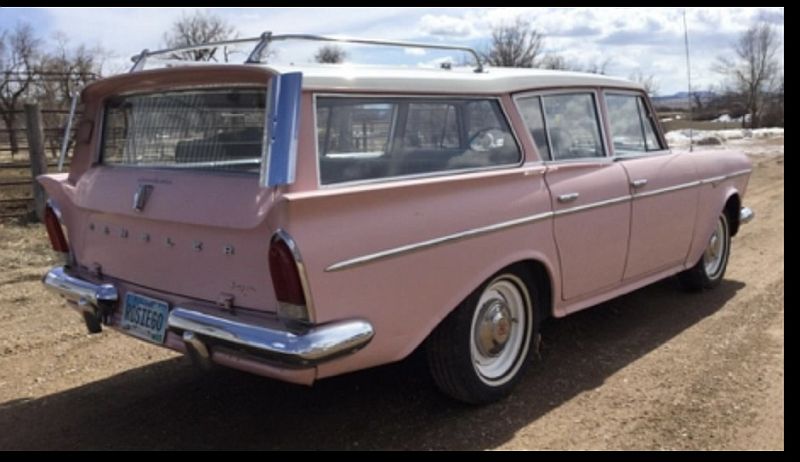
x=33, y=124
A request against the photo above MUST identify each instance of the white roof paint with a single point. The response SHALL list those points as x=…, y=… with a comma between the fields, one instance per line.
x=494, y=80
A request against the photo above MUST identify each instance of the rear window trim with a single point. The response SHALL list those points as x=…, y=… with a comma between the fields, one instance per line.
x=422, y=96
x=98, y=150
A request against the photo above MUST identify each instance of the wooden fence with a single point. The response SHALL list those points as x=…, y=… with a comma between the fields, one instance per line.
x=38, y=149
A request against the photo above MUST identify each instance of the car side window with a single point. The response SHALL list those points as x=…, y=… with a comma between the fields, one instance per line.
x=431, y=126
x=648, y=122
x=531, y=110
x=373, y=138
x=354, y=130
x=573, y=126
x=632, y=130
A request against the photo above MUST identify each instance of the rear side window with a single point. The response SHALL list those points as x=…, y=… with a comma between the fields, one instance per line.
x=632, y=130
x=373, y=138
x=573, y=127
x=213, y=129
x=431, y=126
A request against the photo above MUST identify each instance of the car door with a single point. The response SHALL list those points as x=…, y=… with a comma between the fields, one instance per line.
x=662, y=185
x=589, y=192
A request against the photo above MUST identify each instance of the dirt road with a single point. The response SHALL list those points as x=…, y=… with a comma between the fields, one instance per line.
x=656, y=369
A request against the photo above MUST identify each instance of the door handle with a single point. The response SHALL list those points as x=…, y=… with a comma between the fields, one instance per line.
x=568, y=197
x=639, y=183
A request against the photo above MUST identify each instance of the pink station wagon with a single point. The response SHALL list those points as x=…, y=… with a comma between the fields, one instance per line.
x=305, y=221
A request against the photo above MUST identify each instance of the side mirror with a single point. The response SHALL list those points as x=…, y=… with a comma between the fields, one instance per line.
x=282, y=127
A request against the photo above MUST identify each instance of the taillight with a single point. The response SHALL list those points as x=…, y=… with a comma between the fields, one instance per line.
x=54, y=230
x=285, y=268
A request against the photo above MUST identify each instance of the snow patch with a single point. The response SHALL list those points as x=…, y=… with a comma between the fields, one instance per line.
x=750, y=141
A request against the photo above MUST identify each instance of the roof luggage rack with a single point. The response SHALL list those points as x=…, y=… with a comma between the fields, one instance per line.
x=263, y=41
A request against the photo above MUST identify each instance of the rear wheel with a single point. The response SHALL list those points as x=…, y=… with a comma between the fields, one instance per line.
x=480, y=351
x=709, y=271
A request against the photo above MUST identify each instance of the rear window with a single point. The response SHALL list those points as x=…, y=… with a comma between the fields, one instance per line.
x=373, y=138
x=212, y=129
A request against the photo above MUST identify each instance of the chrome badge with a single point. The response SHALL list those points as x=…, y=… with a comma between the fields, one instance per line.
x=141, y=196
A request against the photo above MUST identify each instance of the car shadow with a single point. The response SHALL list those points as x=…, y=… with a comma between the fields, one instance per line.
x=171, y=405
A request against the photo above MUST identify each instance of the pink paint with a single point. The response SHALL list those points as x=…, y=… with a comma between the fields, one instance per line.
x=590, y=255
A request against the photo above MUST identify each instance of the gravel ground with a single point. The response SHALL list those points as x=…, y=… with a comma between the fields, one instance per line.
x=655, y=369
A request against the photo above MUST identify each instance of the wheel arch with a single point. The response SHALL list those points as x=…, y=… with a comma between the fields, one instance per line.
x=733, y=205
x=543, y=278
x=541, y=271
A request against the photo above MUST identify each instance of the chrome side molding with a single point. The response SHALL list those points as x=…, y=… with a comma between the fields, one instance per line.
x=404, y=249
x=564, y=198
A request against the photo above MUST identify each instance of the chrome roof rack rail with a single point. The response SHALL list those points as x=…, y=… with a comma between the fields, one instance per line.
x=140, y=59
x=263, y=41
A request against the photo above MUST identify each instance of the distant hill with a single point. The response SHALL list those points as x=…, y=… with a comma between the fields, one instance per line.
x=679, y=100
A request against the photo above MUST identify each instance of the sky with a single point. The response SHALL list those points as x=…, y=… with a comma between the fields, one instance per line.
x=642, y=40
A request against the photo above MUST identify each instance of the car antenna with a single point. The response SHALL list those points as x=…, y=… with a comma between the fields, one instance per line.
x=688, y=79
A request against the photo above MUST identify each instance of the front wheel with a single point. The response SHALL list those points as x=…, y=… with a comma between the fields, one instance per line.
x=708, y=272
x=480, y=351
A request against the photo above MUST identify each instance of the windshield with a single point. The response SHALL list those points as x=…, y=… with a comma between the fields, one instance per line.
x=211, y=129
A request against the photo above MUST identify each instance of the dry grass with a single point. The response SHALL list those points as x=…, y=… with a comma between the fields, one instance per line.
x=24, y=246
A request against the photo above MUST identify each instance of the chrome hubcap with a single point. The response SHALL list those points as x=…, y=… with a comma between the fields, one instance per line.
x=500, y=332
x=494, y=328
x=715, y=252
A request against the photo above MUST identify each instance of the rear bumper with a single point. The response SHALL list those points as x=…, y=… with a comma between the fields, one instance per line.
x=202, y=332
x=312, y=346
x=88, y=297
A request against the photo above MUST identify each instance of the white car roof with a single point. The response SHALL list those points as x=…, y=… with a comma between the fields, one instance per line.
x=494, y=80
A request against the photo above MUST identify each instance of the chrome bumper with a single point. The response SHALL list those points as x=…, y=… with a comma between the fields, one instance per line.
x=202, y=331
x=746, y=215
x=312, y=346
x=88, y=297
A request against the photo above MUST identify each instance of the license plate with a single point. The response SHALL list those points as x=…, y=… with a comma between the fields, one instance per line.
x=145, y=317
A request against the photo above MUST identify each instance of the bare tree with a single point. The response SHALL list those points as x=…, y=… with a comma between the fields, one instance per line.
x=596, y=67
x=63, y=73
x=555, y=62
x=197, y=29
x=649, y=82
x=753, y=68
x=698, y=100
x=773, y=106
x=18, y=54
x=330, y=54
x=514, y=45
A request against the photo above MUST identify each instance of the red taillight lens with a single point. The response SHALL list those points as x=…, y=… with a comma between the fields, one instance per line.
x=55, y=231
x=285, y=278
